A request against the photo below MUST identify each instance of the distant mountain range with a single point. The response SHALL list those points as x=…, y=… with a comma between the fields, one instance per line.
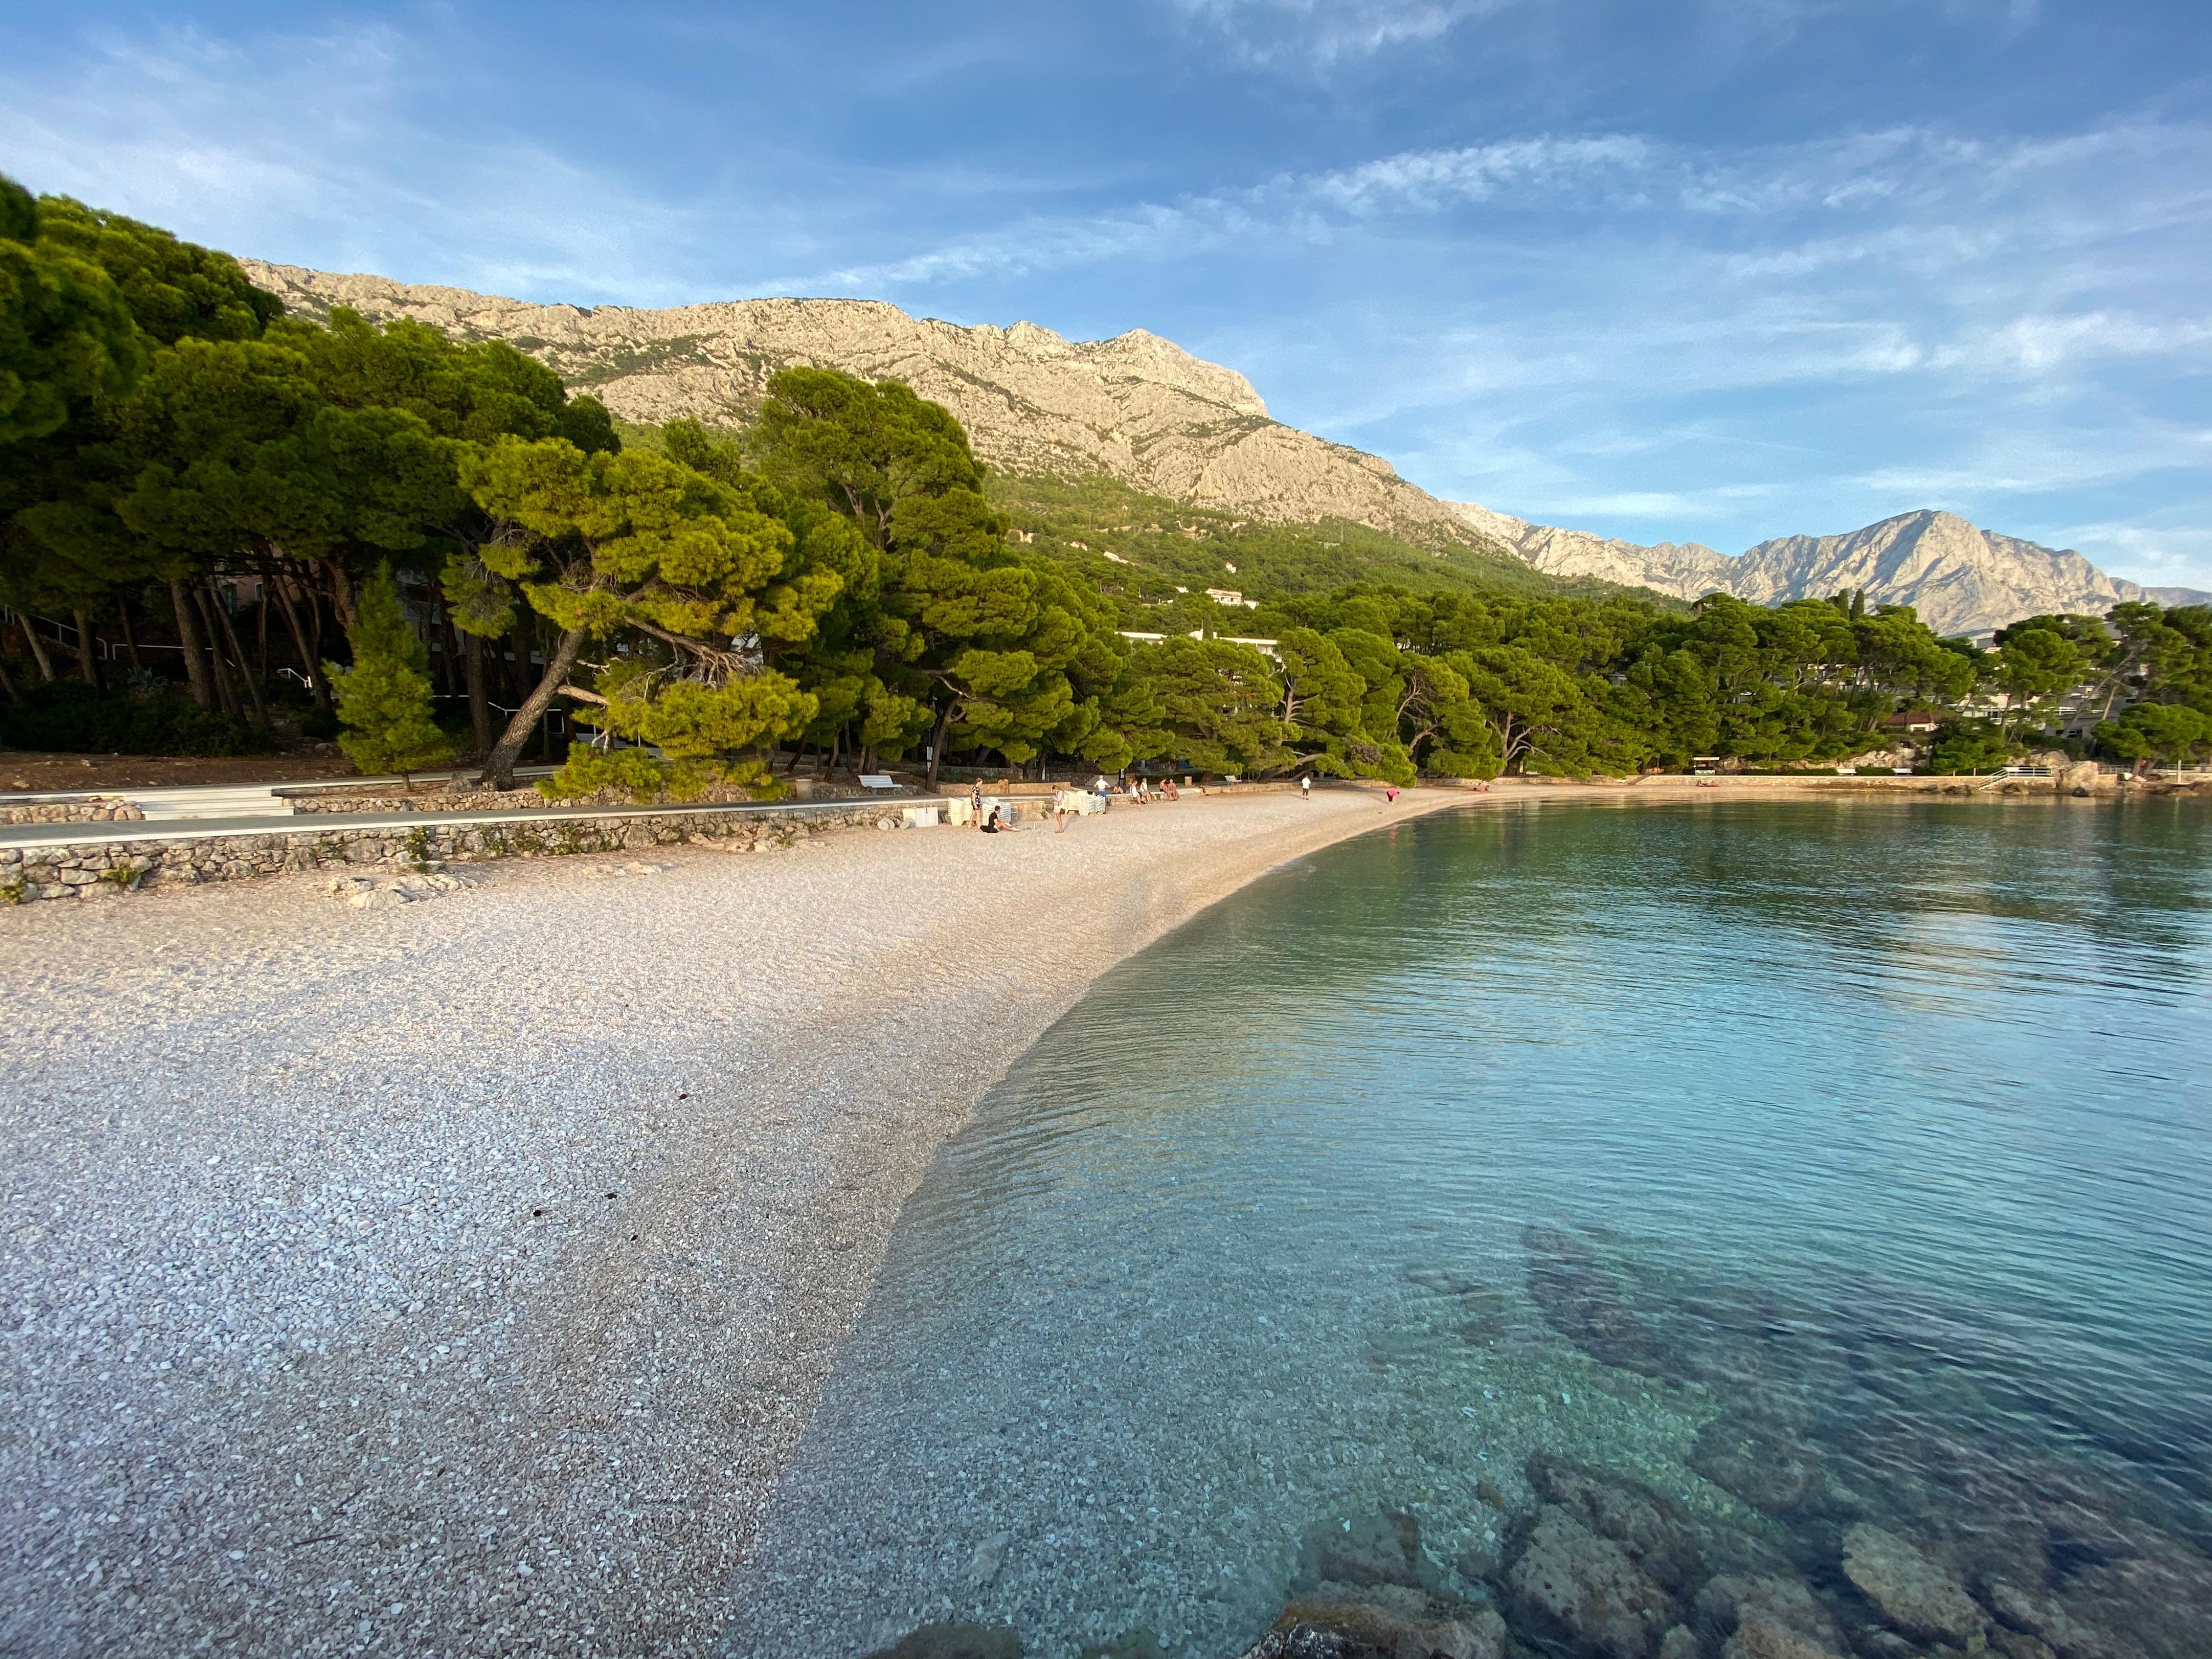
x=1960, y=578
x=1143, y=411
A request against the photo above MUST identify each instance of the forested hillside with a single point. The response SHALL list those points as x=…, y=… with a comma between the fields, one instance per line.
x=251, y=524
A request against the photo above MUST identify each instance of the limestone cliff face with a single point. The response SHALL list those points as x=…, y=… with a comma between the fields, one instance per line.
x=1136, y=408
x=1960, y=578
x=1688, y=570
x=1141, y=410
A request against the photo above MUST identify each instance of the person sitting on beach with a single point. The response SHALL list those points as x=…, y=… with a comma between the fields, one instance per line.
x=1168, y=791
x=993, y=827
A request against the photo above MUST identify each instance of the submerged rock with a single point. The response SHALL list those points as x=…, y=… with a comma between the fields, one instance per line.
x=1570, y=1585
x=1729, y=1602
x=2154, y=1604
x=1302, y=1641
x=1759, y=1461
x=1760, y=1638
x=1370, y=1549
x=1657, y=1533
x=1588, y=1303
x=1388, y=1628
x=955, y=1642
x=1912, y=1590
x=2042, y=1617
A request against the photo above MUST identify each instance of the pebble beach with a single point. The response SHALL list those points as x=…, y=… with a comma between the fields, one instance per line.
x=456, y=1277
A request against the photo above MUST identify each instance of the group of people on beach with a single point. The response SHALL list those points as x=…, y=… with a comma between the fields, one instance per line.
x=999, y=819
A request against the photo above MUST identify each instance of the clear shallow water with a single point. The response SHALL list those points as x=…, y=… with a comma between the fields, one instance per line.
x=1809, y=1162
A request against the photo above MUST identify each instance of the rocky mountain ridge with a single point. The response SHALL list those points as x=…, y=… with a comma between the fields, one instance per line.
x=1960, y=578
x=1140, y=410
x=1135, y=408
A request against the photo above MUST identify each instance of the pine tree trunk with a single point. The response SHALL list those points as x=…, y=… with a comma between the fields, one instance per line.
x=226, y=694
x=88, y=660
x=499, y=765
x=448, y=648
x=245, y=672
x=8, y=682
x=937, y=744
x=300, y=636
x=341, y=592
x=38, y=646
x=479, y=705
x=188, y=636
x=129, y=639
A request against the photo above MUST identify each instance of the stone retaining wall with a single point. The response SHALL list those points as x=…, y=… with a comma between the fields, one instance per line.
x=103, y=870
x=103, y=810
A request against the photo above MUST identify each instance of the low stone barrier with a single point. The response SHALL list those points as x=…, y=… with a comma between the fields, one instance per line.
x=101, y=809
x=93, y=870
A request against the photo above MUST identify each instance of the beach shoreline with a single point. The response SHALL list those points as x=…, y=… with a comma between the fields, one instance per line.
x=459, y=1276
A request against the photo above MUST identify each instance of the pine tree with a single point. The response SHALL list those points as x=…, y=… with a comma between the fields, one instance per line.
x=384, y=699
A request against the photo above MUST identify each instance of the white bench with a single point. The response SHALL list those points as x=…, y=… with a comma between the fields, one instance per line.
x=877, y=780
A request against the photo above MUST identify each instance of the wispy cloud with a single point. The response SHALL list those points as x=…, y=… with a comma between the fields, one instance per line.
x=314, y=148
x=1322, y=33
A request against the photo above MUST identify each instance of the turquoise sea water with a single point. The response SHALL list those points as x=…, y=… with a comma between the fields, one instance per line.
x=1809, y=1163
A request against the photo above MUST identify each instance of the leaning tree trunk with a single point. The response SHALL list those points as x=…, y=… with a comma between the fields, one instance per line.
x=129, y=639
x=88, y=660
x=479, y=705
x=188, y=636
x=281, y=585
x=8, y=682
x=341, y=592
x=499, y=765
x=937, y=744
x=245, y=670
x=226, y=694
x=38, y=646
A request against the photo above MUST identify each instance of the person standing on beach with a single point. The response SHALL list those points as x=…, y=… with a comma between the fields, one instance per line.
x=975, y=803
x=1305, y=787
x=1391, y=796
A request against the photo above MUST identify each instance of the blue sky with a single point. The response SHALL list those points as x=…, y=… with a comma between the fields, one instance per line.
x=1717, y=270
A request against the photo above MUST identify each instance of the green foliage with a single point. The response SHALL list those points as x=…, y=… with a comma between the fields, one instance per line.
x=67, y=337
x=632, y=539
x=1218, y=704
x=243, y=451
x=590, y=770
x=384, y=699
x=19, y=212
x=605, y=543
x=175, y=290
x=67, y=716
x=2153, y=732
x=1969, y=746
